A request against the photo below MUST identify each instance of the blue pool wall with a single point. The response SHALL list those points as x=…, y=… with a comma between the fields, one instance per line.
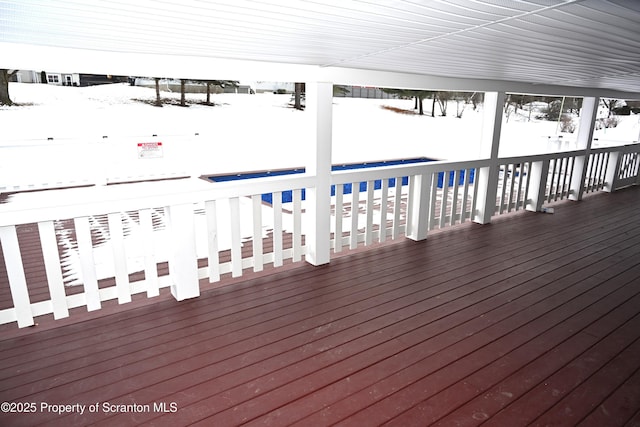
x=287, y=196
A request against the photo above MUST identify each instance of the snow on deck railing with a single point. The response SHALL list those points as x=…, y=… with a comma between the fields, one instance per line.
x=117, y=243
x=126, y=237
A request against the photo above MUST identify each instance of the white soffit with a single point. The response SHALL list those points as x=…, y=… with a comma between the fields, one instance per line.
x=591, y=44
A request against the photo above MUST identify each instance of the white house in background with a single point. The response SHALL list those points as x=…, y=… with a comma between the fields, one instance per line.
x=55, y=78
x=65, y=79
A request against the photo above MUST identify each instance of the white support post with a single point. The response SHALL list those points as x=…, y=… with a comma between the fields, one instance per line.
x=538, y=174
x=418, y=226
x=319, y=99
x=183, y=262
x=487, y=178
x=585, y=137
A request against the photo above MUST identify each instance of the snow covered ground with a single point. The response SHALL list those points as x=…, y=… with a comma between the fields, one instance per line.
x=254, y=132
x=241, y=133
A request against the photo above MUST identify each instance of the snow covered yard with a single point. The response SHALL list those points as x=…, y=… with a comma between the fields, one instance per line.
x=92, y=133
x=241, y=133
x=256, y=132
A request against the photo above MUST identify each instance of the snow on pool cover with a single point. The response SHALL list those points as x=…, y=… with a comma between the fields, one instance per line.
x=288, y=195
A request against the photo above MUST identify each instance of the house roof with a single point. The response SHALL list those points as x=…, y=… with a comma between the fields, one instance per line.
x=585, y=44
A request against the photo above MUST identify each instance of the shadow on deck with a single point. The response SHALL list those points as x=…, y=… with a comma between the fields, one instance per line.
x=532, y=319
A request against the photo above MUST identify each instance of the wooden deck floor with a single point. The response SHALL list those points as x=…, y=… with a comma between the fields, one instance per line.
x=534, y=319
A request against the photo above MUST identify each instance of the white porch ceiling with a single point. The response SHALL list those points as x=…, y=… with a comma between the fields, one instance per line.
x=592, y=44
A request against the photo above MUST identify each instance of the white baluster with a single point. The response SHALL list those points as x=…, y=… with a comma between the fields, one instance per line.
x=52, y=267
x=119, y=257
x=17, y=280
x=258, y=259
x=87, y=263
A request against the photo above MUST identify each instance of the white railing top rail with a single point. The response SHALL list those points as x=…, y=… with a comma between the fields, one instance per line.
x=540, y=157
x=394, y=171
x=629, y=148
x=106, y=199
x=613, y=142
x=100, y=200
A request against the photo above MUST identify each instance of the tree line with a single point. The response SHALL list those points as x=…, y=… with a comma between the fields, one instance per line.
x=6, y=75
x=556, y=107
x=209, y=85
x=441, y=98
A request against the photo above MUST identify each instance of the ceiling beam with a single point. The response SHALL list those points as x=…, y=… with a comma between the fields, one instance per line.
x=56, y=59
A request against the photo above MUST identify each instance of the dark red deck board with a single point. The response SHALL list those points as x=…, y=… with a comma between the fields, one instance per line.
x=460, y=359
x=529, y=365
x=352, y=379
x=466, y=325
x=556, y=386
x=585, y=398
x=621, y=407
x=488, y=319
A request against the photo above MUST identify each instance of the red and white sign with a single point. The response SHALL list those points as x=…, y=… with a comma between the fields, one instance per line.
x=149, y=150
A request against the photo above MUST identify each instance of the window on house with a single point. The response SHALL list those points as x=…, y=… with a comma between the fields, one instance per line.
x=53, y=78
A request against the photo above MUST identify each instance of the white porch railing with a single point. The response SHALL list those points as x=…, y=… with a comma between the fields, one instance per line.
x=176, y=225
x=212, y=229
x=627, y=167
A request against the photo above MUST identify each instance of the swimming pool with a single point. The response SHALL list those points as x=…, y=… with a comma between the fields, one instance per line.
x=288, y=195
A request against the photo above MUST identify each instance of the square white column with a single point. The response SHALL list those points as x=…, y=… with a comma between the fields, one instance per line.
x=319, y=99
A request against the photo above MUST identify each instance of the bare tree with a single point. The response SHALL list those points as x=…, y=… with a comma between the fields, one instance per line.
x=513, y=102
x=462, y=99
x=298, y=91
x=442, y=98
x=183, y=100
x=210, y=84
x=610, y=104
x=434, y=95
x=5, y=76
x=417, y=95
x=158, y=102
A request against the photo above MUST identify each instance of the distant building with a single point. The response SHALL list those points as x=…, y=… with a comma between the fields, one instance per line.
x=54, y=78
x=101, y=79
x=65, y=79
